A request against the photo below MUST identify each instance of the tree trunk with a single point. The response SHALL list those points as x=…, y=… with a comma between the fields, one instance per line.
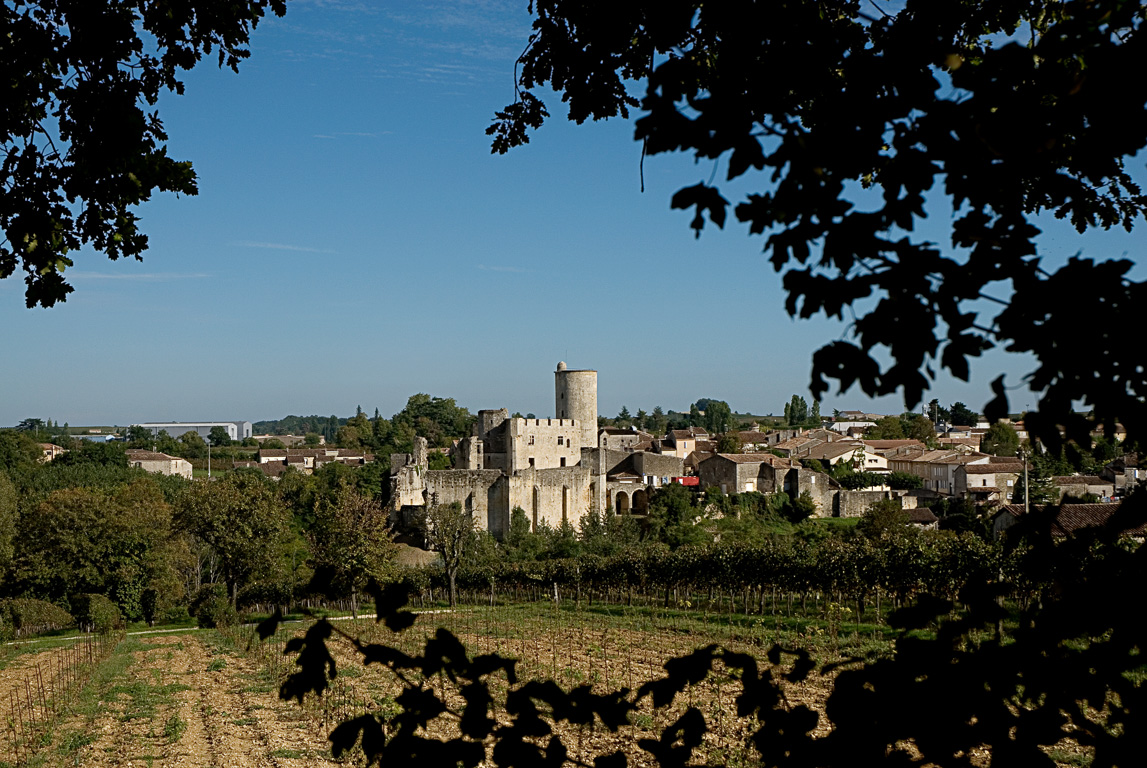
x=453, y=589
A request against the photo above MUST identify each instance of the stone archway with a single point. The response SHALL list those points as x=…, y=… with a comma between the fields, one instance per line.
x=622, y=503
x=640, y=502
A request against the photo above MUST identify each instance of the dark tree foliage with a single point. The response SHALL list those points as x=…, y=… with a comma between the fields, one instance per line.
x=904, y=481
x=852, y=116
x=87, y=452
x=855, y=481
x=83, y=145
x=17, y=449
x=963, y=415
x=1001, y=439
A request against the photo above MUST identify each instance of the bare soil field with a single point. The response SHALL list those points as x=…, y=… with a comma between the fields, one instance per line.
x=581, y=651
x=211, y=698
x=176, y=701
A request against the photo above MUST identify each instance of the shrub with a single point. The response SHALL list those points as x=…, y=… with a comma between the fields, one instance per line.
x=96, y=613
x=149, y=605
x=904, y=481
x=25, y=616
x=211, y=608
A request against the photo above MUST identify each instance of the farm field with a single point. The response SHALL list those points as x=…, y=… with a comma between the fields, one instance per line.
x=210, y=698
x=177, y=700
x=606, y=647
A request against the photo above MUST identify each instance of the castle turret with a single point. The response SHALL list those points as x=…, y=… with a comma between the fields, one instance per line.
x=575, y=397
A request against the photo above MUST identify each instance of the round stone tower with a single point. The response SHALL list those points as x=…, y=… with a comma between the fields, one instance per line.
x=575, y=397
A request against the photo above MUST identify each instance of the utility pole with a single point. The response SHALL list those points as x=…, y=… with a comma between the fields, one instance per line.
x=1027, y=492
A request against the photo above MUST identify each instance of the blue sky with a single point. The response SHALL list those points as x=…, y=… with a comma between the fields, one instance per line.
x=354, y=242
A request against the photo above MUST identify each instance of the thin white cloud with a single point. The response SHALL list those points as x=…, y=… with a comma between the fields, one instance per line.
x=153, y=277
x=360, y=134
x=282, y=247
x=496, y=268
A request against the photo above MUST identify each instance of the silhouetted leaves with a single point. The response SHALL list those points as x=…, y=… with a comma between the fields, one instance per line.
x=678, y=740
x=80, y=149
x=853, y=117
x=270, y=625
x=316, y=666
x=703, y=198
x=388, y=602
x=681, y=672
x=345, y=735
x=926, y=610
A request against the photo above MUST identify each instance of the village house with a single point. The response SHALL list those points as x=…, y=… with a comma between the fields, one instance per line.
x=745, y=472
x=682, y=442
x=1078, y=486
x=1124, y=473
x=1069, y=519
x=307, y=460
x=617, y=439
x=161, y=463
x=990, y=481
x=49, y=451
x=936, y=468
x=755, y=440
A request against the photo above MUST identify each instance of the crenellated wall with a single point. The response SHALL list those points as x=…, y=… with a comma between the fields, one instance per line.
x=550, y=443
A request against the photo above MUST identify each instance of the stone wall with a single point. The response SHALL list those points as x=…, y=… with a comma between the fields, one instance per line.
x=610, y=461
x=474, y=489
x=718, y=471
x=552, y=495
x=470, y=454
x=856, y=503
x=408, y=487
x=817, y=484
x=491, y=428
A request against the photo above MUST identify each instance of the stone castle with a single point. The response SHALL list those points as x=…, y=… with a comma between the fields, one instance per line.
x=554, y=469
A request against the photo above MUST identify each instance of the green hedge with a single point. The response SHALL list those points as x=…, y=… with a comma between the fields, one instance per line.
x=96, y=613
x=212, y=608
x=20, y=617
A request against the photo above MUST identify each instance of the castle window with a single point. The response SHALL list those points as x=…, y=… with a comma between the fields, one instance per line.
x=561, y=440
x=531, y=461
x=563, y=461
x=531, y=439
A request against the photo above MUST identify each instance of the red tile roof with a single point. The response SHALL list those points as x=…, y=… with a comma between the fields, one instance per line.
x=1074, y=517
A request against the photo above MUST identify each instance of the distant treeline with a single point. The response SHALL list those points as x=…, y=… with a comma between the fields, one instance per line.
x=327, y=426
